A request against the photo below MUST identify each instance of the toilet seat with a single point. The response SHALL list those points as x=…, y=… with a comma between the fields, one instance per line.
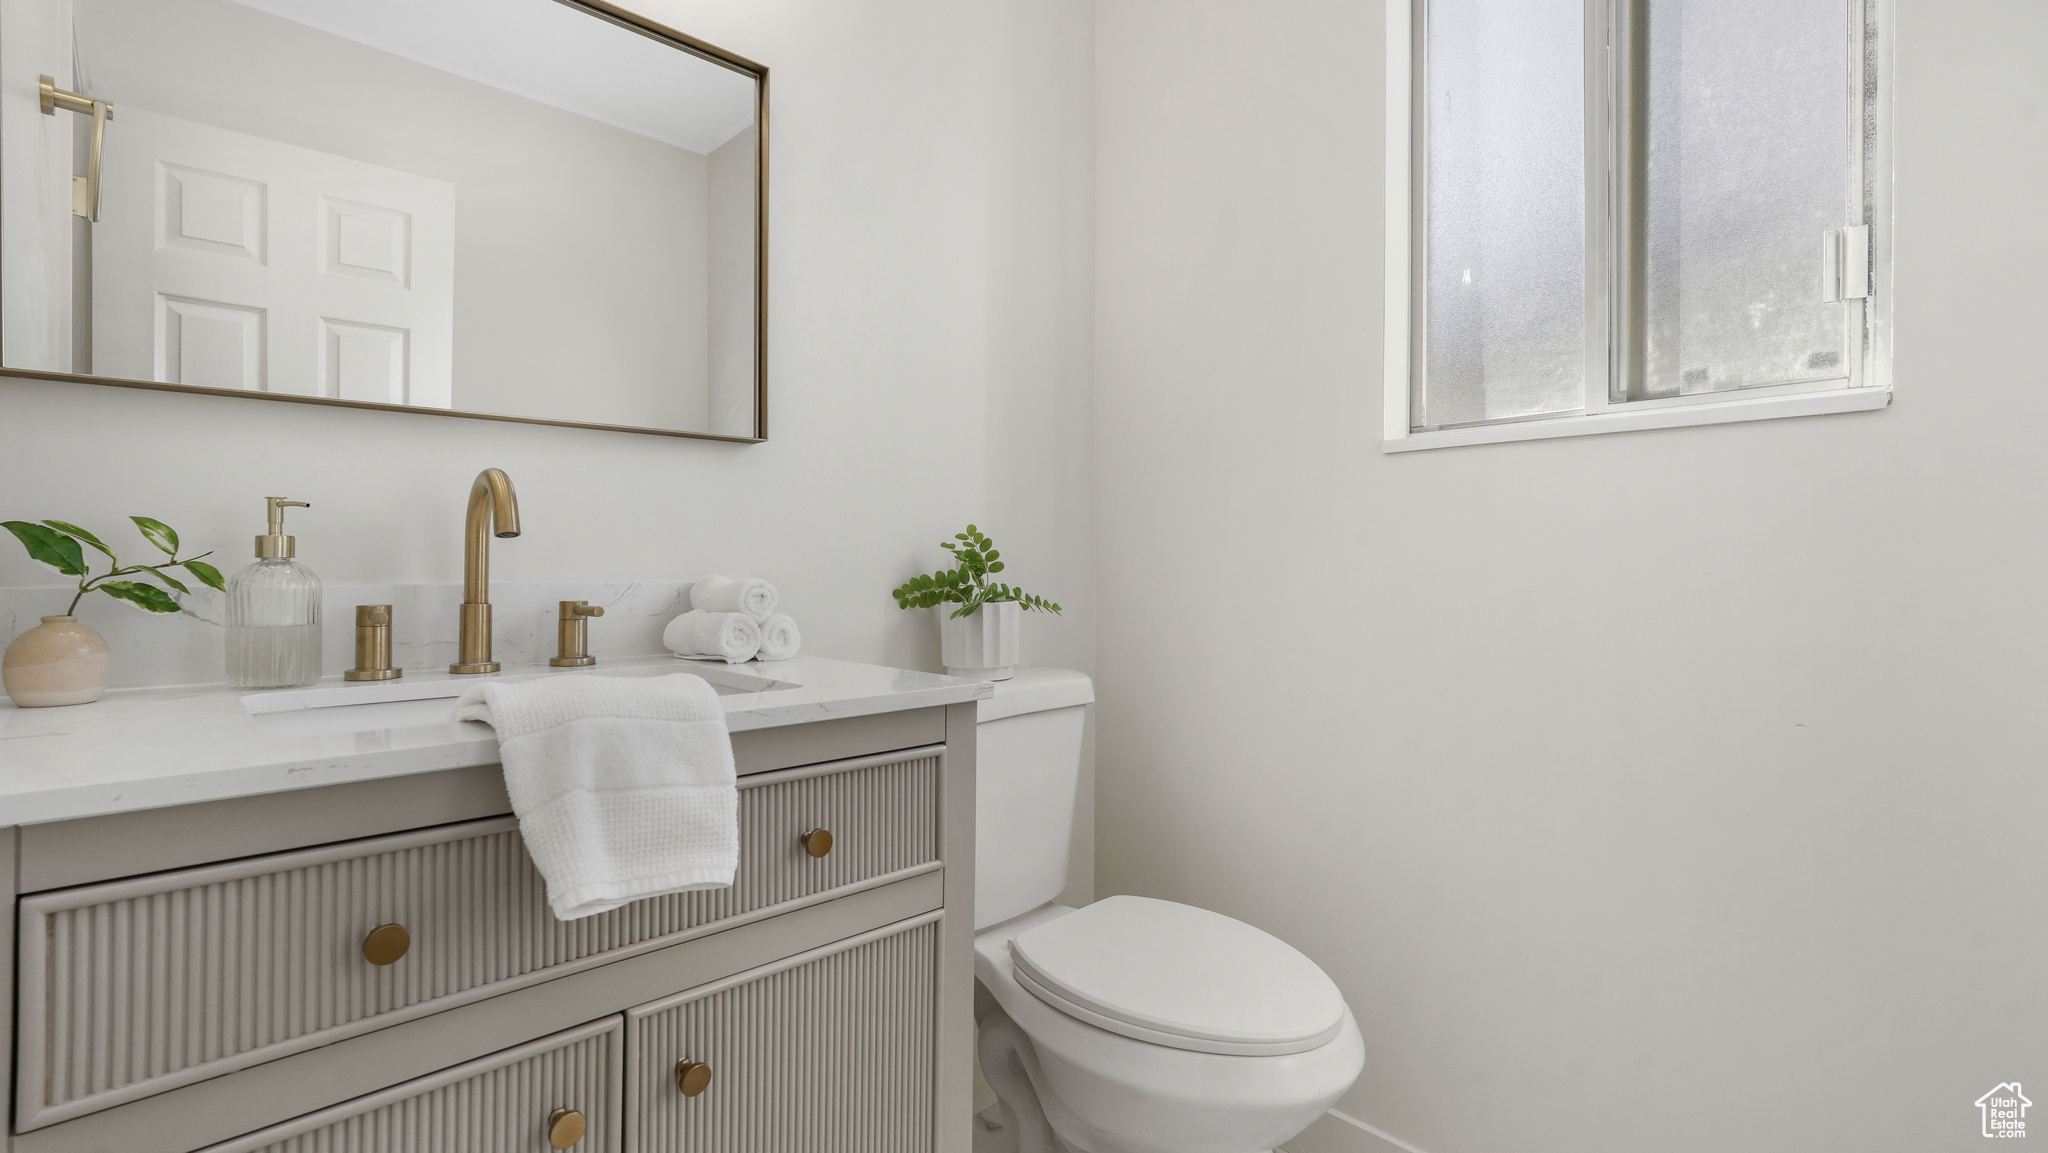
x=1178, y=976
x=1111, y=1092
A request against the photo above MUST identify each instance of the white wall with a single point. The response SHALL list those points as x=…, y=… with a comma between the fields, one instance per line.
x=918, y=371
x=1038, y=423
x=35, y=264
x=1674, y=790
x=731, y=173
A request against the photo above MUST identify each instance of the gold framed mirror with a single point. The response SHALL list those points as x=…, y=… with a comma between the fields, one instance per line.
x=546, y=211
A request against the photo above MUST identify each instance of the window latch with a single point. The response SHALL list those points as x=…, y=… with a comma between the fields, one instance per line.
x=1845, y=263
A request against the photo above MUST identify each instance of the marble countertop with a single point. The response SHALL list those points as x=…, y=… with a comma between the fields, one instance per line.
x=150, y=748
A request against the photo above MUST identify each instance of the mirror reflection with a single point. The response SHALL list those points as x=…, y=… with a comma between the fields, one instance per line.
x=514, y=208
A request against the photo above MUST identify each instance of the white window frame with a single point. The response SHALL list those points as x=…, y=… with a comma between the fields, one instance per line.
x=1870, y=383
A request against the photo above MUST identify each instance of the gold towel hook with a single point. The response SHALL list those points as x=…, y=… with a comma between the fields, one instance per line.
x=85, y=190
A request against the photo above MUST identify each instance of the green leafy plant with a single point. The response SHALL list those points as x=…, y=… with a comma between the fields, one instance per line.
x=967, y=584
x=55, y=543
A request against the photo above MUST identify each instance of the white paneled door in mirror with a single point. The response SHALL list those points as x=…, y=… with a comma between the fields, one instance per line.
x=345, y=269
x=520, y=209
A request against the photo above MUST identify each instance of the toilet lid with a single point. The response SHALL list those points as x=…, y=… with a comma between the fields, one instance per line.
x=1179, y=976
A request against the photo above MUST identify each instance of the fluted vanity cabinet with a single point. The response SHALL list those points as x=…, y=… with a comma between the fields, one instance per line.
x=373, y=968
x=570, y=1080
x=825, y=1051
x=145, y=984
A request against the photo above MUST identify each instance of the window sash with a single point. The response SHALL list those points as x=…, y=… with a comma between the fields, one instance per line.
x=1615, y=199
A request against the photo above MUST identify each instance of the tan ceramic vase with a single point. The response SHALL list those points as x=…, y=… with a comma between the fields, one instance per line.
x=59, y=662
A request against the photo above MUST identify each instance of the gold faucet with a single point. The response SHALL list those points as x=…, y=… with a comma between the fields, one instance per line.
x=492, y=494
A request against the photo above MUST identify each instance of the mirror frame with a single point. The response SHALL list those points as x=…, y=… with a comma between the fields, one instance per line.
x=632, y=22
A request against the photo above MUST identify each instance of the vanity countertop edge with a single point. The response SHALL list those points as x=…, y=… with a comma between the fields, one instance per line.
x=148, y=748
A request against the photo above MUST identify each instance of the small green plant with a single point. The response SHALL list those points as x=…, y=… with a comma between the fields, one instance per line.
x=967, y=585
x=55, y=543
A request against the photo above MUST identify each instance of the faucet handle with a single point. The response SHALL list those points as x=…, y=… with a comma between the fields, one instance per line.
x=373, y=646
x=573, y=634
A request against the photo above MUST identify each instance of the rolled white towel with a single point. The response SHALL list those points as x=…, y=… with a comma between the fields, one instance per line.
x=750, y=595
x=733, y=636
x=779, y=638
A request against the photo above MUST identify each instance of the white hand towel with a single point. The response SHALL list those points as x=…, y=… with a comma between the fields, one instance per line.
x=733, y=636
x=779, y=638
x=750, y=595
x=623, y=786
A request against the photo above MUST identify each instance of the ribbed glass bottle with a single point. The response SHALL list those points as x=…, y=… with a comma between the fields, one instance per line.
x=274, y=625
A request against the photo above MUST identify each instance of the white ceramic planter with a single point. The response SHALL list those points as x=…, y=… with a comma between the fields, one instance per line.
x=984, y=645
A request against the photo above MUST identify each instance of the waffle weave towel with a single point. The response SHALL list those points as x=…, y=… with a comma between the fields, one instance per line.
x=623, y=786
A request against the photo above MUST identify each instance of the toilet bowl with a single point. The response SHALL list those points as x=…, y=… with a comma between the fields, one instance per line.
x=1131, y=1025
x=1069, y=1084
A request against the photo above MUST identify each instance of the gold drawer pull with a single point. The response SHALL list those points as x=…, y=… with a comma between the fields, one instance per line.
x=692, y=1077
x=385, y=944
x=565, y=1128
x=817, y=842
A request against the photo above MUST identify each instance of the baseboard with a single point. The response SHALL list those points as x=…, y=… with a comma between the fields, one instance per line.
x=1336, y=1132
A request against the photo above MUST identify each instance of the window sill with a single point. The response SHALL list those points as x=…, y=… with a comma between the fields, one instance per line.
x=1589, y=424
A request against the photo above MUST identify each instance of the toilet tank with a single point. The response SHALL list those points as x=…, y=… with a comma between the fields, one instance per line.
x=1028, y=760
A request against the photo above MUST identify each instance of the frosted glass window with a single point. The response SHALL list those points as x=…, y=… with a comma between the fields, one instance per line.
x=1748, y=128
x=1505, y=209
x=1643, y=205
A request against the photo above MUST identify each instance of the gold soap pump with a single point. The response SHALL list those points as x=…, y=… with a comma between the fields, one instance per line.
x=275, y=543
x=273, y=634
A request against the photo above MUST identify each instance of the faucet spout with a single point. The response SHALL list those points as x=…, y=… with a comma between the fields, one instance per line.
x=492, y=503
x=491, y=500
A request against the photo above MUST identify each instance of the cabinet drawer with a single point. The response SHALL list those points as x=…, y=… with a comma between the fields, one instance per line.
x=138, y=986
x=829, y=1050
x=504, y=1103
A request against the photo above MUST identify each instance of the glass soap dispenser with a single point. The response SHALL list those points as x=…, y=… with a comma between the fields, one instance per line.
x=274, y=613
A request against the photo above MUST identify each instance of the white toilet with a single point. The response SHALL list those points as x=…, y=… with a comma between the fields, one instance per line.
x=1131, y=1025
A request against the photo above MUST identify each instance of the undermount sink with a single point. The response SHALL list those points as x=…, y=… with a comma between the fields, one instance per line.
x=335, y=706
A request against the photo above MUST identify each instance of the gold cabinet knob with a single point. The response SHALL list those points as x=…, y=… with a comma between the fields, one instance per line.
x=565, y=1127
x=385, y=944
x=817, y=842
x=692, y=1077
